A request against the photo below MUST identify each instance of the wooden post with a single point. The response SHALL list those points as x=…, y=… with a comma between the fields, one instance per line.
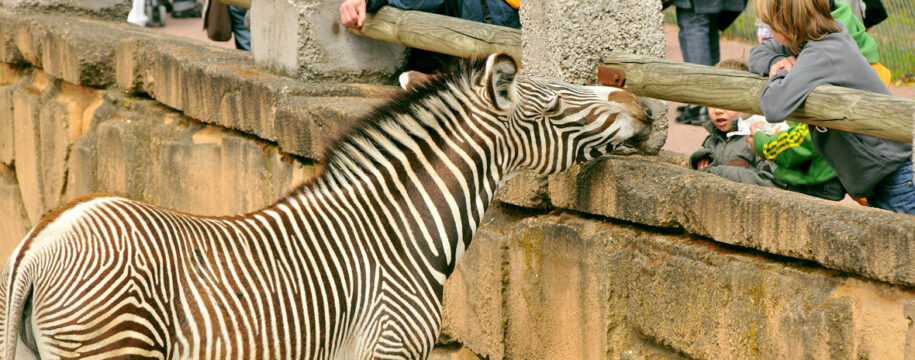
x=857, y=111
x=439, y=33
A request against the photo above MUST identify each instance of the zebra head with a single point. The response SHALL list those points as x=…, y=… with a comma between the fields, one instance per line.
x=552, y=125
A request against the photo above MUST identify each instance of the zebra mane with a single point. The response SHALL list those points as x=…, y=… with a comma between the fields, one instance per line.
x=464, y=73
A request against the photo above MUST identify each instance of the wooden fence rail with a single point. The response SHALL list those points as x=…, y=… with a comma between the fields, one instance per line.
x=829, y=106
x=443, y=34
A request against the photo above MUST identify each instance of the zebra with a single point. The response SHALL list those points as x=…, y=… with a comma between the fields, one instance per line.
x=350, y=265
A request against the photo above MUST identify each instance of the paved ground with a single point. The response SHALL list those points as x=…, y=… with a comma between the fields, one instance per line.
x=682, y=138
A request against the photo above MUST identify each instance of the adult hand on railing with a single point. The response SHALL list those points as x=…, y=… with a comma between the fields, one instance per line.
x=352, y=13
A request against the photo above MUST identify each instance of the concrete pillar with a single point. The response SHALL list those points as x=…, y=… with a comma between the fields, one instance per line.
x=304, y=39
x=569, y=46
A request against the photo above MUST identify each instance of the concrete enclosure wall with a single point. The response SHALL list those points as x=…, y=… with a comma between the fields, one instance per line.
x=626, y=257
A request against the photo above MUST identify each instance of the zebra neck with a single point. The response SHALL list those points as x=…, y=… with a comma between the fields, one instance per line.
x=424, y=182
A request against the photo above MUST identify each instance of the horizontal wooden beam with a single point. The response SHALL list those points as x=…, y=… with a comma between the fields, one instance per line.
x=439, y=33
x=863, y=112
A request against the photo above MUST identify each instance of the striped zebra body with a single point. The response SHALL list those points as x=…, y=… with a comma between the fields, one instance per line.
x=349, y=266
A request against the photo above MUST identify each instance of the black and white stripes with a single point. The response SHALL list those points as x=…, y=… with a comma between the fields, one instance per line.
x=349, y=266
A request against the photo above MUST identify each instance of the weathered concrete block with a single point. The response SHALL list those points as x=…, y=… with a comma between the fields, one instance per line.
x=108, y=9
x=9, y=53
x=15, y=222
x=27, y=149
x=556, y=284
x=574, y=285
x=472, y=305
x=65, y=54
x=6, y=124
x=307, y=125
x=527, y=189
x=189, y=175
x=81, y=168
x=871, y=242
x=568, y=47
x=304, y=39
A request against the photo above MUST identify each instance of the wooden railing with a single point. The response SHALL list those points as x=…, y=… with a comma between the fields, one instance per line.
x=834, y=107
x=442, y=34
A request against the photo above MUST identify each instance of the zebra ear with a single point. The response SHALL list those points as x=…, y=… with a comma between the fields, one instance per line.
x=499, y=78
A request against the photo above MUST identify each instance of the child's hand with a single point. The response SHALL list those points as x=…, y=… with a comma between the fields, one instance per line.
x=785, y=63
x=703, y=163
x=753, y=129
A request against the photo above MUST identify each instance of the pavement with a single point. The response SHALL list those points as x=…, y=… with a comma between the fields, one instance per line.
x=681, y=138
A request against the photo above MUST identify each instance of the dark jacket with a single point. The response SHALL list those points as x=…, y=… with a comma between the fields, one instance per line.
x=860, y=161
x=499, y=11
x=711, y=6
x=731, y=158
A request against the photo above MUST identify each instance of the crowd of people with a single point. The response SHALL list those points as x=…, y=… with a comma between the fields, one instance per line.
x=813, y=42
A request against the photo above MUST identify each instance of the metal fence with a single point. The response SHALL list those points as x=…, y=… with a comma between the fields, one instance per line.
x=895, y=36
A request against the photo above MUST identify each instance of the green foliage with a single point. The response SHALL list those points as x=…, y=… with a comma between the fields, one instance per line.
x=895, y=36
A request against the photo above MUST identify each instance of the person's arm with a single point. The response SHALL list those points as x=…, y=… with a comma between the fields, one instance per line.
x=352, y=12
x=787, y=148
x=787, y=90
x=766, y=54
x=739, y=174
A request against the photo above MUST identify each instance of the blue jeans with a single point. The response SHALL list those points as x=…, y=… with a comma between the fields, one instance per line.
x=698, y=37
x=896, y=191
x=241, y=32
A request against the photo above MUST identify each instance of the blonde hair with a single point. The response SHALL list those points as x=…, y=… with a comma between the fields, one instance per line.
x=799, y=21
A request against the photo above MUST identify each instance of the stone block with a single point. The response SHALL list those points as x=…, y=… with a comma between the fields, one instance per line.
x=27, y=150
x=556, y=294
x=108, y=9
x=9, y=53
x=472, y=305
x=304, y=39
x=566, y=47
x=81, y=168
x=871, y=242
x=575, y=288
x=190, y=175
x=307, y=125
x=14, y=222
x=527, y=189
x=65, y=54
x=6, y=124
x=452, y=353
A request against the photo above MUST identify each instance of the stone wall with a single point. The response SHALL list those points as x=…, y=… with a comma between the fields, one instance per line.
x=626, y=257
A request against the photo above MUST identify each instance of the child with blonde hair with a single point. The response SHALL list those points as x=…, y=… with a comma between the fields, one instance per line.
x=809, y=49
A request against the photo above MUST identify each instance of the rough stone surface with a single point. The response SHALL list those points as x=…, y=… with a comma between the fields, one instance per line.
x=8, y=79
x=568, y=47
x=304, y=39
x=233, y=95
x=306, y=126
x=109, y=9
x=609, y=288
x=867, y=241
x=15, y=222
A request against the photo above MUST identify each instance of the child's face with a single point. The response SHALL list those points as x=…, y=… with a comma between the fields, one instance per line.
x=722, y=119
